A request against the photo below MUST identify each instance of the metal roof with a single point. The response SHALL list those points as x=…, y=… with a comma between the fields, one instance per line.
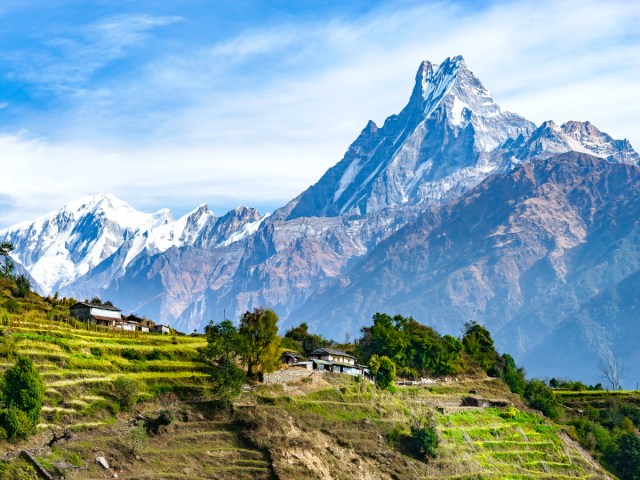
x=94, y=305
x=330, y=351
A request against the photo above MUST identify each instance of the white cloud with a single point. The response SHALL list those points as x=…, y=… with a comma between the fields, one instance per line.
x=261, y=116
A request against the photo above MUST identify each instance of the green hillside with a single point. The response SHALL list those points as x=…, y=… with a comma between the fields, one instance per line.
x=323, y=426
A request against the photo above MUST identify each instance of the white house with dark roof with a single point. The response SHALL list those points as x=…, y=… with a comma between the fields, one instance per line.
x=332, y=360
x=96, y=314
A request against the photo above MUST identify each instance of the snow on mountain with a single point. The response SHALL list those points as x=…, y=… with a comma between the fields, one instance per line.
x=61, y=246
x=181, y=232
x=445, y=140
x=583, y=137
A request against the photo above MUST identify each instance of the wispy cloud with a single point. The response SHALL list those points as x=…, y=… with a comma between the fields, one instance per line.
x=72, y=58
x=256, y=117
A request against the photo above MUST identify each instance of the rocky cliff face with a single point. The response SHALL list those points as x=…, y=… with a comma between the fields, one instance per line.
x=539, y=253
x=452, y=210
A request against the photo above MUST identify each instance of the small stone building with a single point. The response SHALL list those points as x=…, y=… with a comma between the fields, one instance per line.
x=163, y=329
x=94, y=314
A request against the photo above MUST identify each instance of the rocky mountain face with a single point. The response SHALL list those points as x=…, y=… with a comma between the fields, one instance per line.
x=452, y=210
x=546, y=251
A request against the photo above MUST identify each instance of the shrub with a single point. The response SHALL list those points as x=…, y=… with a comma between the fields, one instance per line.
x=540, y=397
x=384, y=371
x=138, y=436
x=22, y=394
x=16, y=423
x=425, y=437
x=132, y=354
x=126, y=390
x=11, y=306
x=7, y=346
x=629, y=457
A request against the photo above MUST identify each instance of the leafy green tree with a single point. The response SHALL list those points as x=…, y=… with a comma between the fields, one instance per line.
x=505, y=367
x=225, y=344
x=22, y=393
x=226, y=380
x=425, y=437
x=7, y=266
x=307, y=342
x=629, y=457
x=413, y=347
x=478, y=343
x=383, y=370
x=541, y=397
x=260, y=329
x=23, y=286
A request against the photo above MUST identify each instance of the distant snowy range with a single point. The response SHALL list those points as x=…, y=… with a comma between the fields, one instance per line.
x=452, y=210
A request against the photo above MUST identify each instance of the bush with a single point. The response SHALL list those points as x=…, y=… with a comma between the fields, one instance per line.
x=22, y=395
x=16, y=423
x=11, y=306
x=226, y=380
x=132, y=354
x=126, y=390
x=540, y=397
x=384, y=371
x=629, y=457
x=425, y=437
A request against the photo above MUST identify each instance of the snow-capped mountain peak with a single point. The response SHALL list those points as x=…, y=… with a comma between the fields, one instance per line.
x=60, y=246
x=583, y=137
x=437, y=146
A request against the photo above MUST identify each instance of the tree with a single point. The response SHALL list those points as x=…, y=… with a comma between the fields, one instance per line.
x=226, y=380
x=96, y=300
x=307, y=342
x=478, y=343
x=224, y=343
x=384, y=371
x=23, y=286
x=260, y=329
x=629, y=457
x=22, y=393
x=8, y=266
x=612, y=370
x=541, y=397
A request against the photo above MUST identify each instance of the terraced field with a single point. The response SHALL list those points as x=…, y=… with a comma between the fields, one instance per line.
x=320, y=427
x=198, y=449
x=79, y=367
x=357, y=423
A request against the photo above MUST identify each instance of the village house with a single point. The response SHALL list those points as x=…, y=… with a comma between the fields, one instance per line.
x=163, y=329
x=291, y=358
x=95, y=314
x=332, y=360
x=142, y=324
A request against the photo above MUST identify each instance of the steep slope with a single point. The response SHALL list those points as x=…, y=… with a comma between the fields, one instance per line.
x=527, y=253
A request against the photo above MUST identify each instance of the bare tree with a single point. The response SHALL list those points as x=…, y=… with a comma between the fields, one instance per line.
x=612, y=370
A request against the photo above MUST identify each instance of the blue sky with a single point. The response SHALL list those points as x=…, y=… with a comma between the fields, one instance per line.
x=174, y=104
